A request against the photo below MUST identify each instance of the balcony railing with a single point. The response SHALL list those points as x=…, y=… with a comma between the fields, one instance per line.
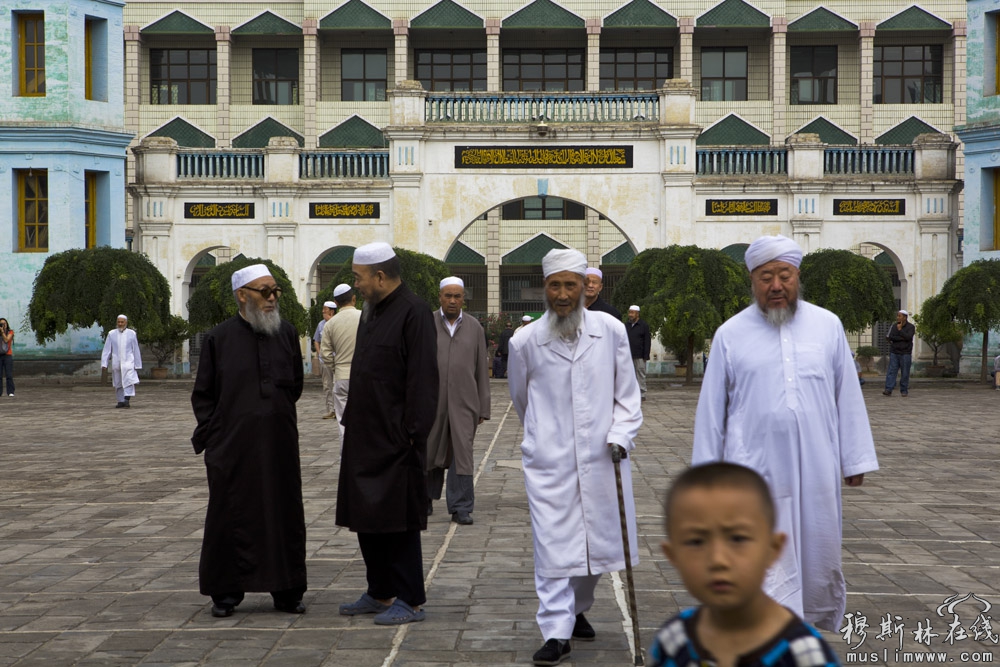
x=344, y=164
x=539, y=107
x=868, y=160
x=741, y=161
x=222, y=165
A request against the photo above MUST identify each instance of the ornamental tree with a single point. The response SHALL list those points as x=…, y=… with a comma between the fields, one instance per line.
x=936, y=325
x=972, y=295
x=849, y=285
x=685, y=293
x=212, y=301
x=83, y=287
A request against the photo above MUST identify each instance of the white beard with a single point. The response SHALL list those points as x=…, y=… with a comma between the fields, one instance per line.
x=777, y=317
x=566, y=327
x=261, y=322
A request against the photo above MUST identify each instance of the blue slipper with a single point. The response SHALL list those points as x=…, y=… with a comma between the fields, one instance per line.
x=365, y=604
x=398, y=614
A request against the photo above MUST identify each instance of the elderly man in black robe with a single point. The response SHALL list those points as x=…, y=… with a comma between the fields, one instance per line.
x=593, y=283
x=249, y=378
x=382, y=495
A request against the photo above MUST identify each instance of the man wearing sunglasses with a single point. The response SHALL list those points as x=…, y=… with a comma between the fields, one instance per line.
x=249, y=378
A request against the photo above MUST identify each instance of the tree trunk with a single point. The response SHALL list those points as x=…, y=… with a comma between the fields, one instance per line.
x=986, y=345
x=690, y=361
x=935, y=363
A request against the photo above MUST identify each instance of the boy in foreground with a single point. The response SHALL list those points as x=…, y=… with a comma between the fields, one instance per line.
x=721, y=539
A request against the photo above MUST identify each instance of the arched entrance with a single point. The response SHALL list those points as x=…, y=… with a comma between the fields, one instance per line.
x=327, y=266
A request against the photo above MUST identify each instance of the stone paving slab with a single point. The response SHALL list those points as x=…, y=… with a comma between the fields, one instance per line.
x=101, y=514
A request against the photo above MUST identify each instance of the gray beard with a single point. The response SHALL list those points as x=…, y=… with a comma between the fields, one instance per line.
x=777, y=317
x=565, y=327
x=367, y=308
x=261, y=322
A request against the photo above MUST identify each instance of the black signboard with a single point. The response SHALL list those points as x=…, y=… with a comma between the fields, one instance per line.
x=215, y=210
x=543, y=157
x=741, y=207
x=344, y=210
x=869, y=207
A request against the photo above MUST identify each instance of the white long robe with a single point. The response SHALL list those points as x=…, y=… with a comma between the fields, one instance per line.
x=571, y=408
x=786, y=402
x=121, y=355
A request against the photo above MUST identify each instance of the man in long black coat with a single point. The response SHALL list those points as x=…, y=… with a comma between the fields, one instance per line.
x=593, y=283
x=249, y=378
x=382, y=495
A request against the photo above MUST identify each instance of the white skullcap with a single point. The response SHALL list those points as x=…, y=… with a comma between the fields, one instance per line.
x=635, y=308
x=770, y=248
x=526, y=318
x=452, y=280
x=373, y=253
x=903, y=312
x=330, y=304
x=122, y=317
x=563, y=260
x=594, y=272
x=248, y=274
x=342, y=288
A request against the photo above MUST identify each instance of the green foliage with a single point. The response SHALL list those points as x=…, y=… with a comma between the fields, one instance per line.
x=212, y=301
x=421, y=273
x=80, y=288
x=495, y=324
x=685, y=293
x=165, y=339
x=852, y=287
x=972, y=296
x=936, y=325
x=867, y=352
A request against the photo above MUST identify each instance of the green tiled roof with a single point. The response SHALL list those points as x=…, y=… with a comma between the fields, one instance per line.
x=463, y=254
x=354, y=133
x=913, y=18
x=829, y=133
x=268, y=24
x=258, y=135
x=736, y=251
x=338, y=256
x=185, y=134
x=206, y=260
x=355, y=15
x=447, y=14
x=623, y=254
x=532, y=251
x=733, y=131
x=733, y=14
x=904, y=133
x=543, y=14
x=883, y=259
x=821, y=20
x=640, y=14
x=177, y=23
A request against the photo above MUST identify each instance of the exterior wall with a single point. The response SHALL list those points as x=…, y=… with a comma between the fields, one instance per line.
x=66, y=135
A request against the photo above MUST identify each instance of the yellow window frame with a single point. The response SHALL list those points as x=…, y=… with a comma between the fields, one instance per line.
x=90, y=204
x=88, y=59
x=41, y=220
x=37, y=22
x=996, y=209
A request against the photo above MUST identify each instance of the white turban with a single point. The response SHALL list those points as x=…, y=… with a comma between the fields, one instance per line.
x=373, y=253
x=564, y=260
x=635, y=308
x=342, y=288
x=594, y=272
x=452, y=280
x=248, y=274
x=122, y=317
x=770, y=248
x=526, y=318
x=330, y=304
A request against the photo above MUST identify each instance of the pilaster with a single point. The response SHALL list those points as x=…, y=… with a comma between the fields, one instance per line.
x=686, y=25
x=493, y=57
x=310, y=79
x=401, y=31
x=593, y=55
x=493, y=260
x=779, y=75
x=593, y=238
x=866, y=40
x=223, y=41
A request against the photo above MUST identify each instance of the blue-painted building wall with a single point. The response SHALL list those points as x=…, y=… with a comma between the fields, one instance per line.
x=66, y=135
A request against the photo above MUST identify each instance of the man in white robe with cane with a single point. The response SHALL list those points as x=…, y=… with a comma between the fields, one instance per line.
x=573, y=385
x=121, y=353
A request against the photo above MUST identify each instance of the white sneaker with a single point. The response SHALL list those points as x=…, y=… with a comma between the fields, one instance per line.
x=10, y=395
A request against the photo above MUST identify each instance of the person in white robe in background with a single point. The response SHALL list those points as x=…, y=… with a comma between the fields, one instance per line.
x=573, y=385
x=781, y=396
x=121, y=354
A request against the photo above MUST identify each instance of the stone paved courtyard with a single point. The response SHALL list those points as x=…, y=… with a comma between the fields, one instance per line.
x=101, y=514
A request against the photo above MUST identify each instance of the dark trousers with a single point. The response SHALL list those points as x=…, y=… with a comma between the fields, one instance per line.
x=898, y=364
x=288, y=596
x=395, y=566
x=459, y=493
x=7, y=370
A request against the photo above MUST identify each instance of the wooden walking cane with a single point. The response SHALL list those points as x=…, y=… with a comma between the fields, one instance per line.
x=617, y=453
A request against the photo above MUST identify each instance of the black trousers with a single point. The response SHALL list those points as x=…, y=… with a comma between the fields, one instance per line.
x=287, y=596
x=395, y=566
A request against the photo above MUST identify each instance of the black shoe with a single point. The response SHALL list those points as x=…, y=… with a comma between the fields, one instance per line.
x=462, y=518
x=552, y=652
x=904, y=393
x=121, y=404
x=583, y=630
x=887, y=393
x=295, y=607
x=222, y=610
x=430, y=508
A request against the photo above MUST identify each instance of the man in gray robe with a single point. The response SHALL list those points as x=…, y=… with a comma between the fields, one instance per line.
x=463, y=402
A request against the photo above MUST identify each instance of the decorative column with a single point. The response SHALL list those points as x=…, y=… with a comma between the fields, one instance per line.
x=779, y=75
x=493, y=81
x=593, y=238
x=223, y=41
x=132, y=101
x=401, y=30
x=310, y=79
x=686, y=25
x=959, y=32
x=866, y=45
x=493, y=261
x=593, y=55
